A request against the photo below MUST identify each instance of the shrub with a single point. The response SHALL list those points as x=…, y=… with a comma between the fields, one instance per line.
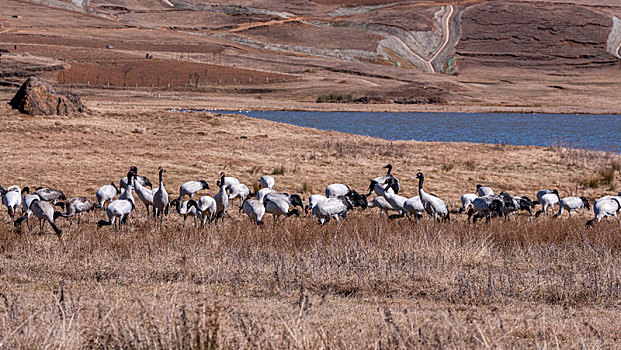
x=608, y=175
x=447, y=167
x=334, y=97
x=279, y=170
x=307, y=187
x=590, y=182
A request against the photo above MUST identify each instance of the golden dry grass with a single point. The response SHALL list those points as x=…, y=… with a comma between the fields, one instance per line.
x=375, y=283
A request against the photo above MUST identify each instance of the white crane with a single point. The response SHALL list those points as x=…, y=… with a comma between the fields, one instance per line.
x=466, y=201
x=548, y=199
x=221, y=198
x=266, y=181
x=278, y=206
x=160, y=200
x=254, y=209
x=12, y=199
x=240, y=191
x=606, y=207
x=105, y=193
x=484, y=191
x=73, y=206
x=572, y=203
x=191, y=187
x=434, y=206
x=337, y=190
x=313, y=200
x=44, y=211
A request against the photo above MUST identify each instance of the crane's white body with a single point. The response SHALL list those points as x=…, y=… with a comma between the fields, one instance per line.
x=190, y=188
x=331, y=208
x=570, y=204
x=240, y=191
x=266, y=181
x=106, y=193
x=254, y=209
x=263, y=192
x=466, y=201
x=605, y=207
x=160, y=200
x=336, y=190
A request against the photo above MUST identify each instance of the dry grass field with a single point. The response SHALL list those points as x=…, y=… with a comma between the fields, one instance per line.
x=376, y=283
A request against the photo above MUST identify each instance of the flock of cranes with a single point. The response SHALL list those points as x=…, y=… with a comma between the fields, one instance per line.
x=119, y=202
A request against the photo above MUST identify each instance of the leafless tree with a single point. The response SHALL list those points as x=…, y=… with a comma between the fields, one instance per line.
x=126, y=70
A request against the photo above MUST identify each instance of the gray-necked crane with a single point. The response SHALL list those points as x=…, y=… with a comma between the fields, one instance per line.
x=266, y=181
x=572, y=203
x=221, y=198
x=12, y=199
x=254, y=209
x=73, y=206
x=434, y=206
x=160, y=199
x=191, y=187
x=484, y=190
x=106, y=193
x=606, y=207
x=44, y=211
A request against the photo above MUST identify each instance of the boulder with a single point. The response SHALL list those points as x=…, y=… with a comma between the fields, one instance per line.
x=36, y=97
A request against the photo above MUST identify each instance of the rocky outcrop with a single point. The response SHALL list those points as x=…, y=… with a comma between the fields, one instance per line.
x=36, y=97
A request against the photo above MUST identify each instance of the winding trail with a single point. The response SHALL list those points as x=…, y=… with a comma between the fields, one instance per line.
x=265, y=24
x=447, y=29
x=413, y=53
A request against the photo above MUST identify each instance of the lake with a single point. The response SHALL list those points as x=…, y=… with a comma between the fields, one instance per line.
x=589, y=131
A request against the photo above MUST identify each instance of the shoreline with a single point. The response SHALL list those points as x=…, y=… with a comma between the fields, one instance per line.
x=253, y=104
x=106, y=100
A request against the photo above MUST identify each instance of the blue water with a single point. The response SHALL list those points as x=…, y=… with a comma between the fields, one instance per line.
x=589, y=131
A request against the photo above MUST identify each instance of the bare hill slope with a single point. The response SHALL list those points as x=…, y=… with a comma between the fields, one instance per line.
x=535, y=55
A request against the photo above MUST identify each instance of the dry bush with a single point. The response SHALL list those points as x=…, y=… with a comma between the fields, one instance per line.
x=607, y=175
x=280, y=170
x=334, y=97
x=307, y=187
x=447, y=167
